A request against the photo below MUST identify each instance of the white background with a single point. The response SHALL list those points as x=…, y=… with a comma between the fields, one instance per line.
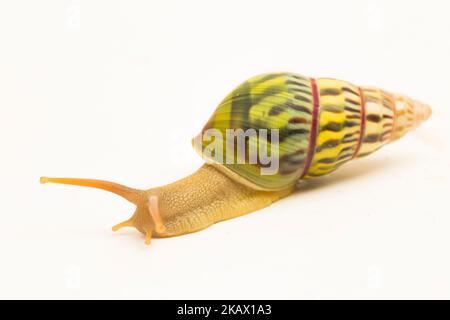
x=116, y=89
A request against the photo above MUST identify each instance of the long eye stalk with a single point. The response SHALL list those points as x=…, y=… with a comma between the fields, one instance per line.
x=133, y=195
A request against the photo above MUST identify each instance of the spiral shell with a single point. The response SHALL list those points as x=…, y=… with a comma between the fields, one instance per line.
x=322, y=124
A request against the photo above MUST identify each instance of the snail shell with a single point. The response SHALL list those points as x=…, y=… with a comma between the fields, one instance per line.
x=321, y=124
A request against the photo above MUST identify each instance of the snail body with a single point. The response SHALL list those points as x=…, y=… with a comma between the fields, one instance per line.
x=314, y=126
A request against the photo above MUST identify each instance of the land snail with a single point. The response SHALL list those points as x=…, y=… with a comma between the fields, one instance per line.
x=306, y=127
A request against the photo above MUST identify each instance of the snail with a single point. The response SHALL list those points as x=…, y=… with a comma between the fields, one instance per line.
x=268, y=134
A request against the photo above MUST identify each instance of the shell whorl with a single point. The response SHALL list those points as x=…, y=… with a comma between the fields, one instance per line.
x=322, y=124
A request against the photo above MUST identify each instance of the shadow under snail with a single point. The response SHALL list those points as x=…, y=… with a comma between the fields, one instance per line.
x=320, y=124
